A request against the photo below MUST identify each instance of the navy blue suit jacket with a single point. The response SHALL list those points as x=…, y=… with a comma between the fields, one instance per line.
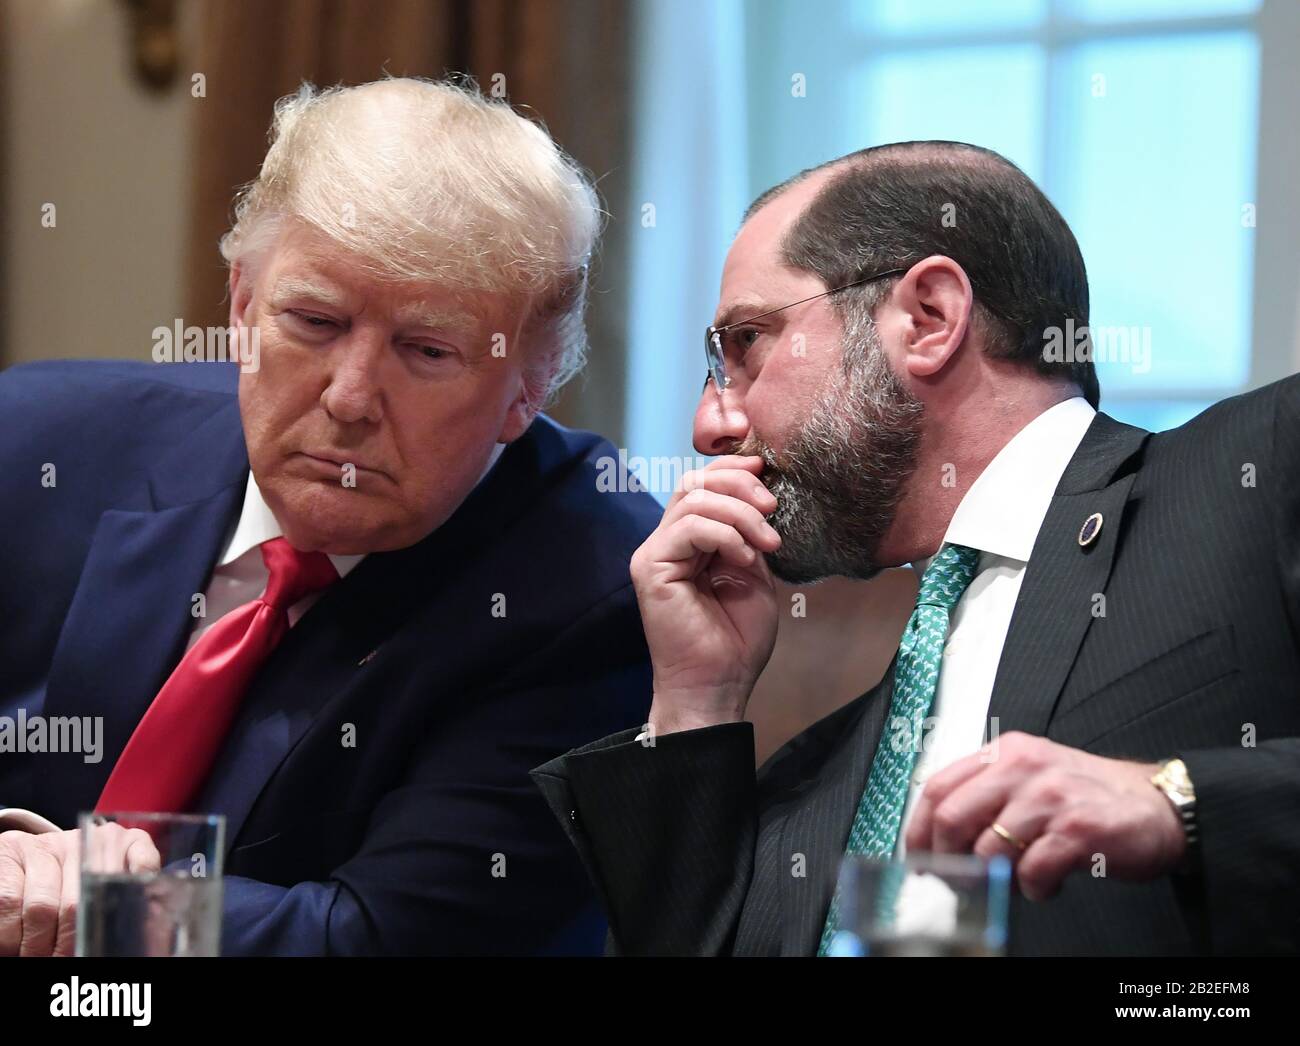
x=397, y=844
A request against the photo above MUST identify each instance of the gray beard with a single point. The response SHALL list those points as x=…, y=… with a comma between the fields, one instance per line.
x=841, y=476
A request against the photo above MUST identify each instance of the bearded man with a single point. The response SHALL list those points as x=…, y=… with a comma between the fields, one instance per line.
x=1102, y=671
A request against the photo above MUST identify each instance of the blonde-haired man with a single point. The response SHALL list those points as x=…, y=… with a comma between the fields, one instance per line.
x=348, y=594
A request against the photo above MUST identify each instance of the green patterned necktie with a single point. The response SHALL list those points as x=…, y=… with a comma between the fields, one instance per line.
x=916, y=676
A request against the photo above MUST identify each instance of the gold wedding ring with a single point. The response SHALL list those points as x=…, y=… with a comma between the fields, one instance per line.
x=1014, y=840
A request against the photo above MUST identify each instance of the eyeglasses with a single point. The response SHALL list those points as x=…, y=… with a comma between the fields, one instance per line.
x=713, y=353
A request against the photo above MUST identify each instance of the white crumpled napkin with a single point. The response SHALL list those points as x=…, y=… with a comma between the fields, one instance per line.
x=927, y=906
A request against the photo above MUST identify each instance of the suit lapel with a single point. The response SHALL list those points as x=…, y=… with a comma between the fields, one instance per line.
x=131, y=614
x=1056, y=601
x=832, y=766
x=819, y=777
x=326, y=653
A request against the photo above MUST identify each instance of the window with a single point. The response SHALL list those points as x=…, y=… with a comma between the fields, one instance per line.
x=1143, y=120
x=1138, y=118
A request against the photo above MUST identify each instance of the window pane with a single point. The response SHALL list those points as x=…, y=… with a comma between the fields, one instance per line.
x=902, y=17
x=1153, y=165
x=988, y=95
x=1131, y=10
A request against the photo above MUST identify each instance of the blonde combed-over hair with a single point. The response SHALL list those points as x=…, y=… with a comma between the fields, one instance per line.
x=427, y=180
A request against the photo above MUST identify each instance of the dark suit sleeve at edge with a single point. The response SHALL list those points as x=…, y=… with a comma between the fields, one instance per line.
x=1248, y=799
x=666, y=831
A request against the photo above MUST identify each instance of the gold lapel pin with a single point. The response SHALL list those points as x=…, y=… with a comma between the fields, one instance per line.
x=1090, y=529
x=368, y=657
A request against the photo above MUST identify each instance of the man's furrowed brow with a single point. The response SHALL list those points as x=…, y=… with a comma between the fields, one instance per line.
x=288, y=288
x=739, y=310
x=451, y=320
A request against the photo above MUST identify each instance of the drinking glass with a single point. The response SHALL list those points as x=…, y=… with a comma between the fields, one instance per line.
x=172, y=910
x=923, y=904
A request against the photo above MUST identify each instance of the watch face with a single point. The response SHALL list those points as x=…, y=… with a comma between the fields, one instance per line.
x=1172, y=779
x=1173, y=774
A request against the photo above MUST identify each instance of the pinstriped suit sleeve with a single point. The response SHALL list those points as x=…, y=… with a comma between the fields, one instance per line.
x=666, y=831
x=1248, y=799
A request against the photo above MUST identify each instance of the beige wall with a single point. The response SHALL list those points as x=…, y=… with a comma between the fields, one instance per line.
x=83, y=133
x=834, y=651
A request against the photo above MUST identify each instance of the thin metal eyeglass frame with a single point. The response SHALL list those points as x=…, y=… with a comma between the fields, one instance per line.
x=713, y=355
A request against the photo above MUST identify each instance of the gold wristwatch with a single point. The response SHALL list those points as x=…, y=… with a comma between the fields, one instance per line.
x=1172, y=778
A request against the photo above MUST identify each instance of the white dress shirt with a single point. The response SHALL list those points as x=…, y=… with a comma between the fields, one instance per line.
x=240, y=575
x=1000, y=515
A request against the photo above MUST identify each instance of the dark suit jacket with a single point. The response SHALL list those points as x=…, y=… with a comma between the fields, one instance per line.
x=386, y=846
x=1197, y=655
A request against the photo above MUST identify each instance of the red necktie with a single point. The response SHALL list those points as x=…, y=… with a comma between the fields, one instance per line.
x=173, y=747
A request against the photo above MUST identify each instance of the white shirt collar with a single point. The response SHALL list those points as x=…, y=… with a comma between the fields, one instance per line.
x=1005, y=506
x=257, y=523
